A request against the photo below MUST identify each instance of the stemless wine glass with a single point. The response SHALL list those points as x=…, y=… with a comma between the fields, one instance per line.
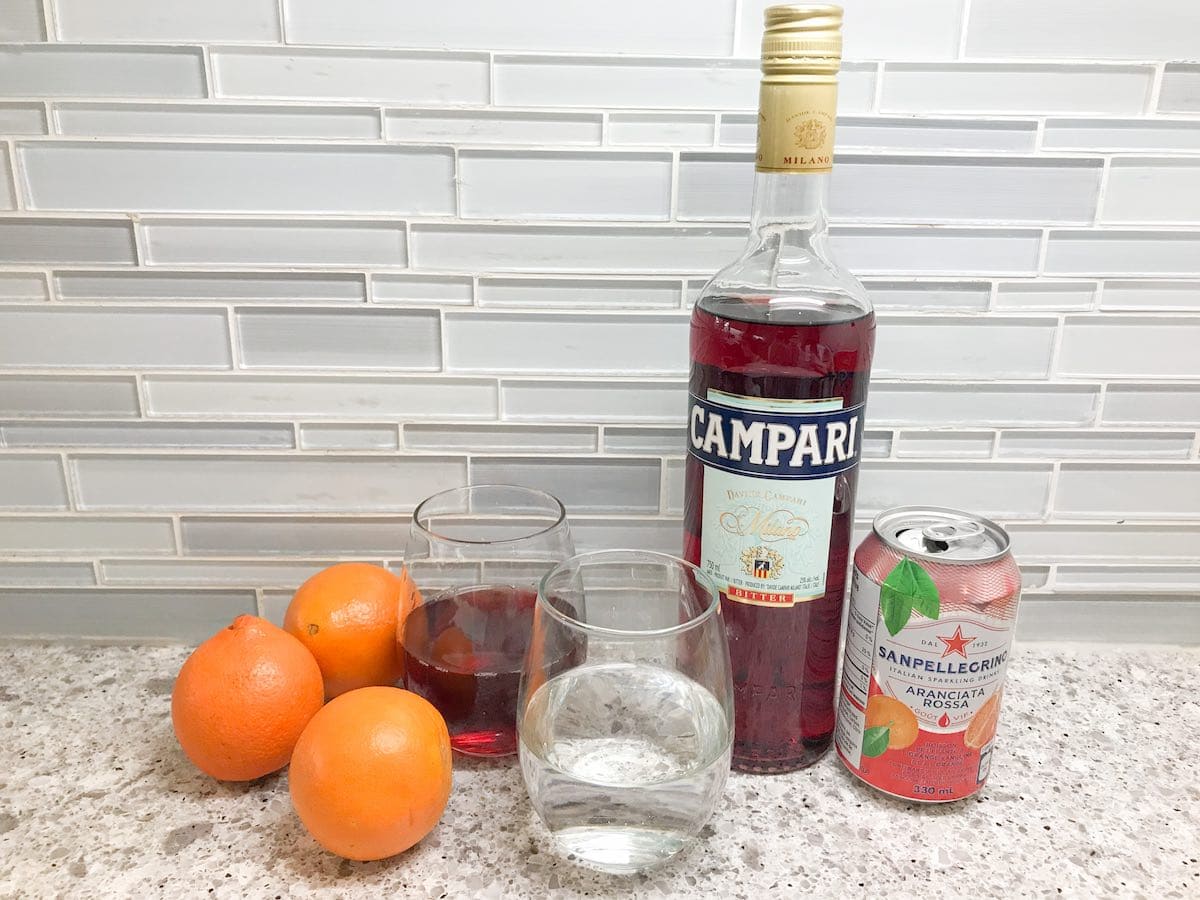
x=476, y=555
x=625, y=714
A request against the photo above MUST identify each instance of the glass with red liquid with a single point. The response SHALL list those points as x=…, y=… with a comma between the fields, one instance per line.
x=476, y=555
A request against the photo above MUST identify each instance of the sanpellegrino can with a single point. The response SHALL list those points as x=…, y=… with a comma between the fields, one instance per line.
x=933, y=605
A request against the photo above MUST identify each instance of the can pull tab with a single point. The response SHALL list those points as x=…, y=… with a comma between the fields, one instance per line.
x=938, y=538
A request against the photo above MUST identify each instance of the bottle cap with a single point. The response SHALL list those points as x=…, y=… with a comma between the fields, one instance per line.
x=802, y=39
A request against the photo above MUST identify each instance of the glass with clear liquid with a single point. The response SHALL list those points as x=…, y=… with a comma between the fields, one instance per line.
x=625, y=753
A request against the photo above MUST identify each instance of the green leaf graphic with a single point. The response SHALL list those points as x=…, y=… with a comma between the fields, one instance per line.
x=875, y=740
x=907, y=587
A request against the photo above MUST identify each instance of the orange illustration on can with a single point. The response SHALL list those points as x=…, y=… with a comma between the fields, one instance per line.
x=933, y=607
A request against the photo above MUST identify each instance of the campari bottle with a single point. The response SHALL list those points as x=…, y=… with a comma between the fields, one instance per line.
x=781, y=345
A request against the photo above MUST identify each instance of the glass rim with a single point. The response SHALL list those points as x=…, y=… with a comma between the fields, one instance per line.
x=710, y=609
x=554, y=502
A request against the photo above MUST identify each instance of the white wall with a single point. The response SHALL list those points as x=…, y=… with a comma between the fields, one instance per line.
x=268, y=275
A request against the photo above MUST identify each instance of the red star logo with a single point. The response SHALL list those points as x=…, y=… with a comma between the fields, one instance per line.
x=955, y=643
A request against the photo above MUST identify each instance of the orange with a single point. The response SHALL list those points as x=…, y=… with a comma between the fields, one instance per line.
x=982, y=727
x=348, y=616
x=370, y=775
x=243, y=697
x=899, y=719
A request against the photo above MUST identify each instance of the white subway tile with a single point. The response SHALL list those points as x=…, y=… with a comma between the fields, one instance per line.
x=69, y=241
x=1161, y=346
x=945, y=444
x=496, y=184
x=1110, y=542
x=877, y=29
x=1121, y=135
x=279, y=536
x=340, y=339
x=377, y=75
x=965, y=347
x=323, y=396
x=46, y=574
x=215, y=121
x=595, y=344
x=876, y=444
x=492, y=126
x=438, y=290
x=919, y=189
x=21, y=20
x=1144, y=404
x=594, y=401
x=68, y=398
x=32, y=482
x=167, y=20
x=645, y=440
x=1008, y=490
x=205, y=573
x=669, y=129
x=293, y=287
x=67, y=70
x=619, y=26
x=114, y=337
x=1108, y=619
x=501, y=438
x=930, y=295
x=238, y=177
x=1135, y=253
x=573, y=293
x=937, y=251
x=242, y=242
x=1151, y=490
x=84, y=535
x=1062, y=29
x=1181, y=295
x=22, y=118
x=1045, y=295
x=97, y=612
x=320, y=484
x=981, y=405
x=661, y=535
x=1015, y=89
x=551, y=248
x=673, y=499
x=585, y=485
x=22, y=286
x=1180, y=88
x=1033, y=577
x=147, y=434
x=1152, y=190
x=902, y=133
x=349, y=437
x=1096, y=444
x=626, y=82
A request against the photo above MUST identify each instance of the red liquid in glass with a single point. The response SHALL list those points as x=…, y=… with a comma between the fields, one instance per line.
x=463, y=652
x=784, y=660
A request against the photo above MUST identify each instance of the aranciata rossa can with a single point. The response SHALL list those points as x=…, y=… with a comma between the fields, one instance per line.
x=933, y=605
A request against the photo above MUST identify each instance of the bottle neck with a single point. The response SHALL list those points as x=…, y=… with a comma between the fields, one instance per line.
x=790, y=201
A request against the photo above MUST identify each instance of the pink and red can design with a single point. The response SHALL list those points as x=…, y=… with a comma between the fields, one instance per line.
x=929, y=631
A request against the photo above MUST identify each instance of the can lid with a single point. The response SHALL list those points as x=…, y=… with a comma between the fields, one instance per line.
x=940, y=534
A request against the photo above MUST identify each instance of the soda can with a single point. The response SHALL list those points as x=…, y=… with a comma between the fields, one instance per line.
x=933, y=606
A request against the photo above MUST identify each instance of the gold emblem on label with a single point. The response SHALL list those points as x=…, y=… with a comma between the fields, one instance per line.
x=810, y=134
x=762, y=562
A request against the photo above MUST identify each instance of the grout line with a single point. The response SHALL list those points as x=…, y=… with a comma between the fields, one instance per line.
x=14, y=183
x=1056, y=346
x=369, y=279
x=177, y=532
x=97, y=572
x=282, y=19
x=457, y=179
x=674, y=206
x=1152, y=101
x=143, y=396
x=400, y=441
x=296, y=436
x=1102, y=190
x=1101, y=401
x=1097, y=294
x=1039, y=136
x=206, y=64
x=1052, y=496
x=605, y=129
x=1043, y=249
x=383, y=123
x=443, y=347
x=993, y=297
x=259, y=601
x=50, y=21
x=1195, y=454
x=235, y=355
x=51, y=113
x=70, y=480
x=737, y=26
x=877, y=94
x=662, y=486
x=491, y=61
x=962, y=31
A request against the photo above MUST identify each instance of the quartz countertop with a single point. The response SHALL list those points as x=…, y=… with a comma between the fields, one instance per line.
x=1094, y=792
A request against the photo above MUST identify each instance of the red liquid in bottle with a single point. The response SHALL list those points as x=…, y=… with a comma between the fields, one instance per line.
x=784, y=659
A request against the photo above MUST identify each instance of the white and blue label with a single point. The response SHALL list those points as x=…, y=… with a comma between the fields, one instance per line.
x=770, y=476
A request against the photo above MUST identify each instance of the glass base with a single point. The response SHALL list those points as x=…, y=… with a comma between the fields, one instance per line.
x=485, y=743
x=758, y=765
x=621, y=850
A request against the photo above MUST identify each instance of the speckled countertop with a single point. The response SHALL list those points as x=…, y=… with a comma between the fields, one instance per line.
x=1094, y=793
